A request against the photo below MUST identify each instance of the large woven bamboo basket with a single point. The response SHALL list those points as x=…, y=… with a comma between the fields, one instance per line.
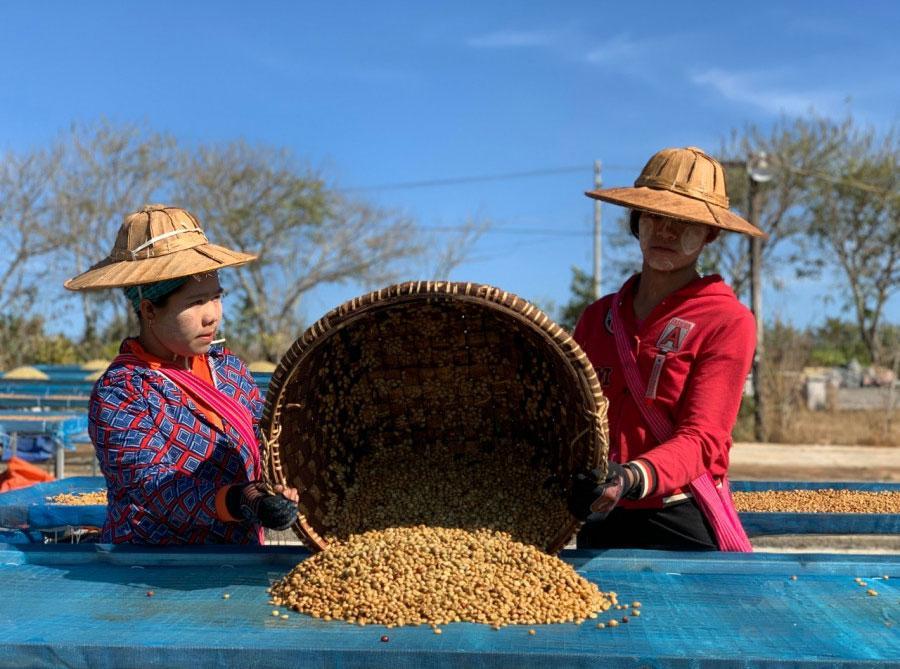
x=451, y=365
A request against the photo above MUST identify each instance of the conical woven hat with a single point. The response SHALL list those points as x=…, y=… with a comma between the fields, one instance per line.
x=681, y=183
x=154, y=244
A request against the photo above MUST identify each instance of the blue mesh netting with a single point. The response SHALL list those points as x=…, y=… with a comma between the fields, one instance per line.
x=71, y=384
x=752, y=486
x=87, y=606
x=29, y=507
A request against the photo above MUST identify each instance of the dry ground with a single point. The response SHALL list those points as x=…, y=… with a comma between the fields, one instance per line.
x=814, y=462
x=791, y=424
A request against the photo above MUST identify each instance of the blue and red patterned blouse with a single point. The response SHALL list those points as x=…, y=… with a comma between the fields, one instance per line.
x=163, y=458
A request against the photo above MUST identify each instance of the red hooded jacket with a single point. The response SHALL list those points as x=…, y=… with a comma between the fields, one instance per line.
x=693, y=351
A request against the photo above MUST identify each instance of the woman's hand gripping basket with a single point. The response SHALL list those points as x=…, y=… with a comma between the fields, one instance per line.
x=434, y=403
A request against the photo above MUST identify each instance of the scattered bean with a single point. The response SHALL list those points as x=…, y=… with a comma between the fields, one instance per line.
x=79, y=498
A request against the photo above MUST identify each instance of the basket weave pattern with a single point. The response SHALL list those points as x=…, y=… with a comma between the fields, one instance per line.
x=457, y=366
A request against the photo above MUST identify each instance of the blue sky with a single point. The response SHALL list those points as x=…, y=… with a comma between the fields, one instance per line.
x=394, y=92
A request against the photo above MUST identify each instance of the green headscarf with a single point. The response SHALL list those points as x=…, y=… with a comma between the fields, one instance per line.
x=152, y=291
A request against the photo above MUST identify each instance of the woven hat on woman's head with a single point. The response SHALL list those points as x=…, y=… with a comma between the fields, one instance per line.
x=681, y=183
x=154, y=244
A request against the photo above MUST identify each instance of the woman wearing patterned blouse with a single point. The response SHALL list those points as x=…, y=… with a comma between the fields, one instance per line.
x=174, y=419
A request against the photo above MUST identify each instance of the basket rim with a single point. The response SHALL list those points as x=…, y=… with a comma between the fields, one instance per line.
x=496, y=299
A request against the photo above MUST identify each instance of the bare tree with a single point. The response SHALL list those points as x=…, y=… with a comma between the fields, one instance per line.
x=451, y=251
x=854, y=216
x=25, y=213
x=257, y=200
x=63, y=207
x=796, y=149
x=106, y=171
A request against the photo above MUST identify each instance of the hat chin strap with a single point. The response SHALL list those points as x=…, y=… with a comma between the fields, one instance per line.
x=165, y=235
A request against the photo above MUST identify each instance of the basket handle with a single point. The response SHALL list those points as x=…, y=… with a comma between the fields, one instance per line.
x=268, y=448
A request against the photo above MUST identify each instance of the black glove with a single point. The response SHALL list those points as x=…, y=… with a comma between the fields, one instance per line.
x=591, y=498
x=253, y=501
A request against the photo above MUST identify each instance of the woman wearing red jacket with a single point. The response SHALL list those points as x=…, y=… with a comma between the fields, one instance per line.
x=672, y=350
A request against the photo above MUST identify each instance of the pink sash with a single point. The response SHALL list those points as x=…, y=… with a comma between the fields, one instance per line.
x=715, y=503
x=235, y=413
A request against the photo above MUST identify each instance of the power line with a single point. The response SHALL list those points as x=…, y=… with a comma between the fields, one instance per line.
x=547, y=232
x=845, y=181
x=572, y=169
x=428, y=183
x=507, y=176
x=825, y=176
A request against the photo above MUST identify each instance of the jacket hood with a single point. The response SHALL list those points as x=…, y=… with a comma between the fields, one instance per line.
x=708, y=286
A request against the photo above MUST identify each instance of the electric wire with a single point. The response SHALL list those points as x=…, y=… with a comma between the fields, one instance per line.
x=481, y=178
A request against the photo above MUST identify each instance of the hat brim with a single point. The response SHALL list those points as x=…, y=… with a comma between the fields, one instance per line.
x=667, y=203
x=187, y=262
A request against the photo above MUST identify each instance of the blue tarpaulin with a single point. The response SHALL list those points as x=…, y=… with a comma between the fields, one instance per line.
x=56, y=425
x=30, y=508
x=35, y=436
x=68, y=383
x=25, y=400
x=29, y=447
x=45, y=388
x=20, y=537
x=87, y=606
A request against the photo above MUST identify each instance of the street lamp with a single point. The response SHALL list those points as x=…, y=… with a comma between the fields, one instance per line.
x=759, y=167
x=759, y=171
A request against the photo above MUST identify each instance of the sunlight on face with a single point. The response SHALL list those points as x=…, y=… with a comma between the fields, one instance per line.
x=669, y=244
x=187, y=323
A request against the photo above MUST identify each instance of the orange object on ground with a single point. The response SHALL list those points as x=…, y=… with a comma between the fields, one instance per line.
x=21, y=474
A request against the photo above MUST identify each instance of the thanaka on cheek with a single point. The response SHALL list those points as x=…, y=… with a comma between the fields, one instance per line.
x=692, y=239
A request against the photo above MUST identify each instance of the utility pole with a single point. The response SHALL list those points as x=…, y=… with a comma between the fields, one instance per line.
x=598, y=183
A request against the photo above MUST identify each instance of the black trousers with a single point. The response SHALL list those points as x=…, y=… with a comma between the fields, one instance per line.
x=679, y=526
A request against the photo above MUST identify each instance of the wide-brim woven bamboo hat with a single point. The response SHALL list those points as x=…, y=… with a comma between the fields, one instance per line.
x=682, y=183
x=157, y=243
